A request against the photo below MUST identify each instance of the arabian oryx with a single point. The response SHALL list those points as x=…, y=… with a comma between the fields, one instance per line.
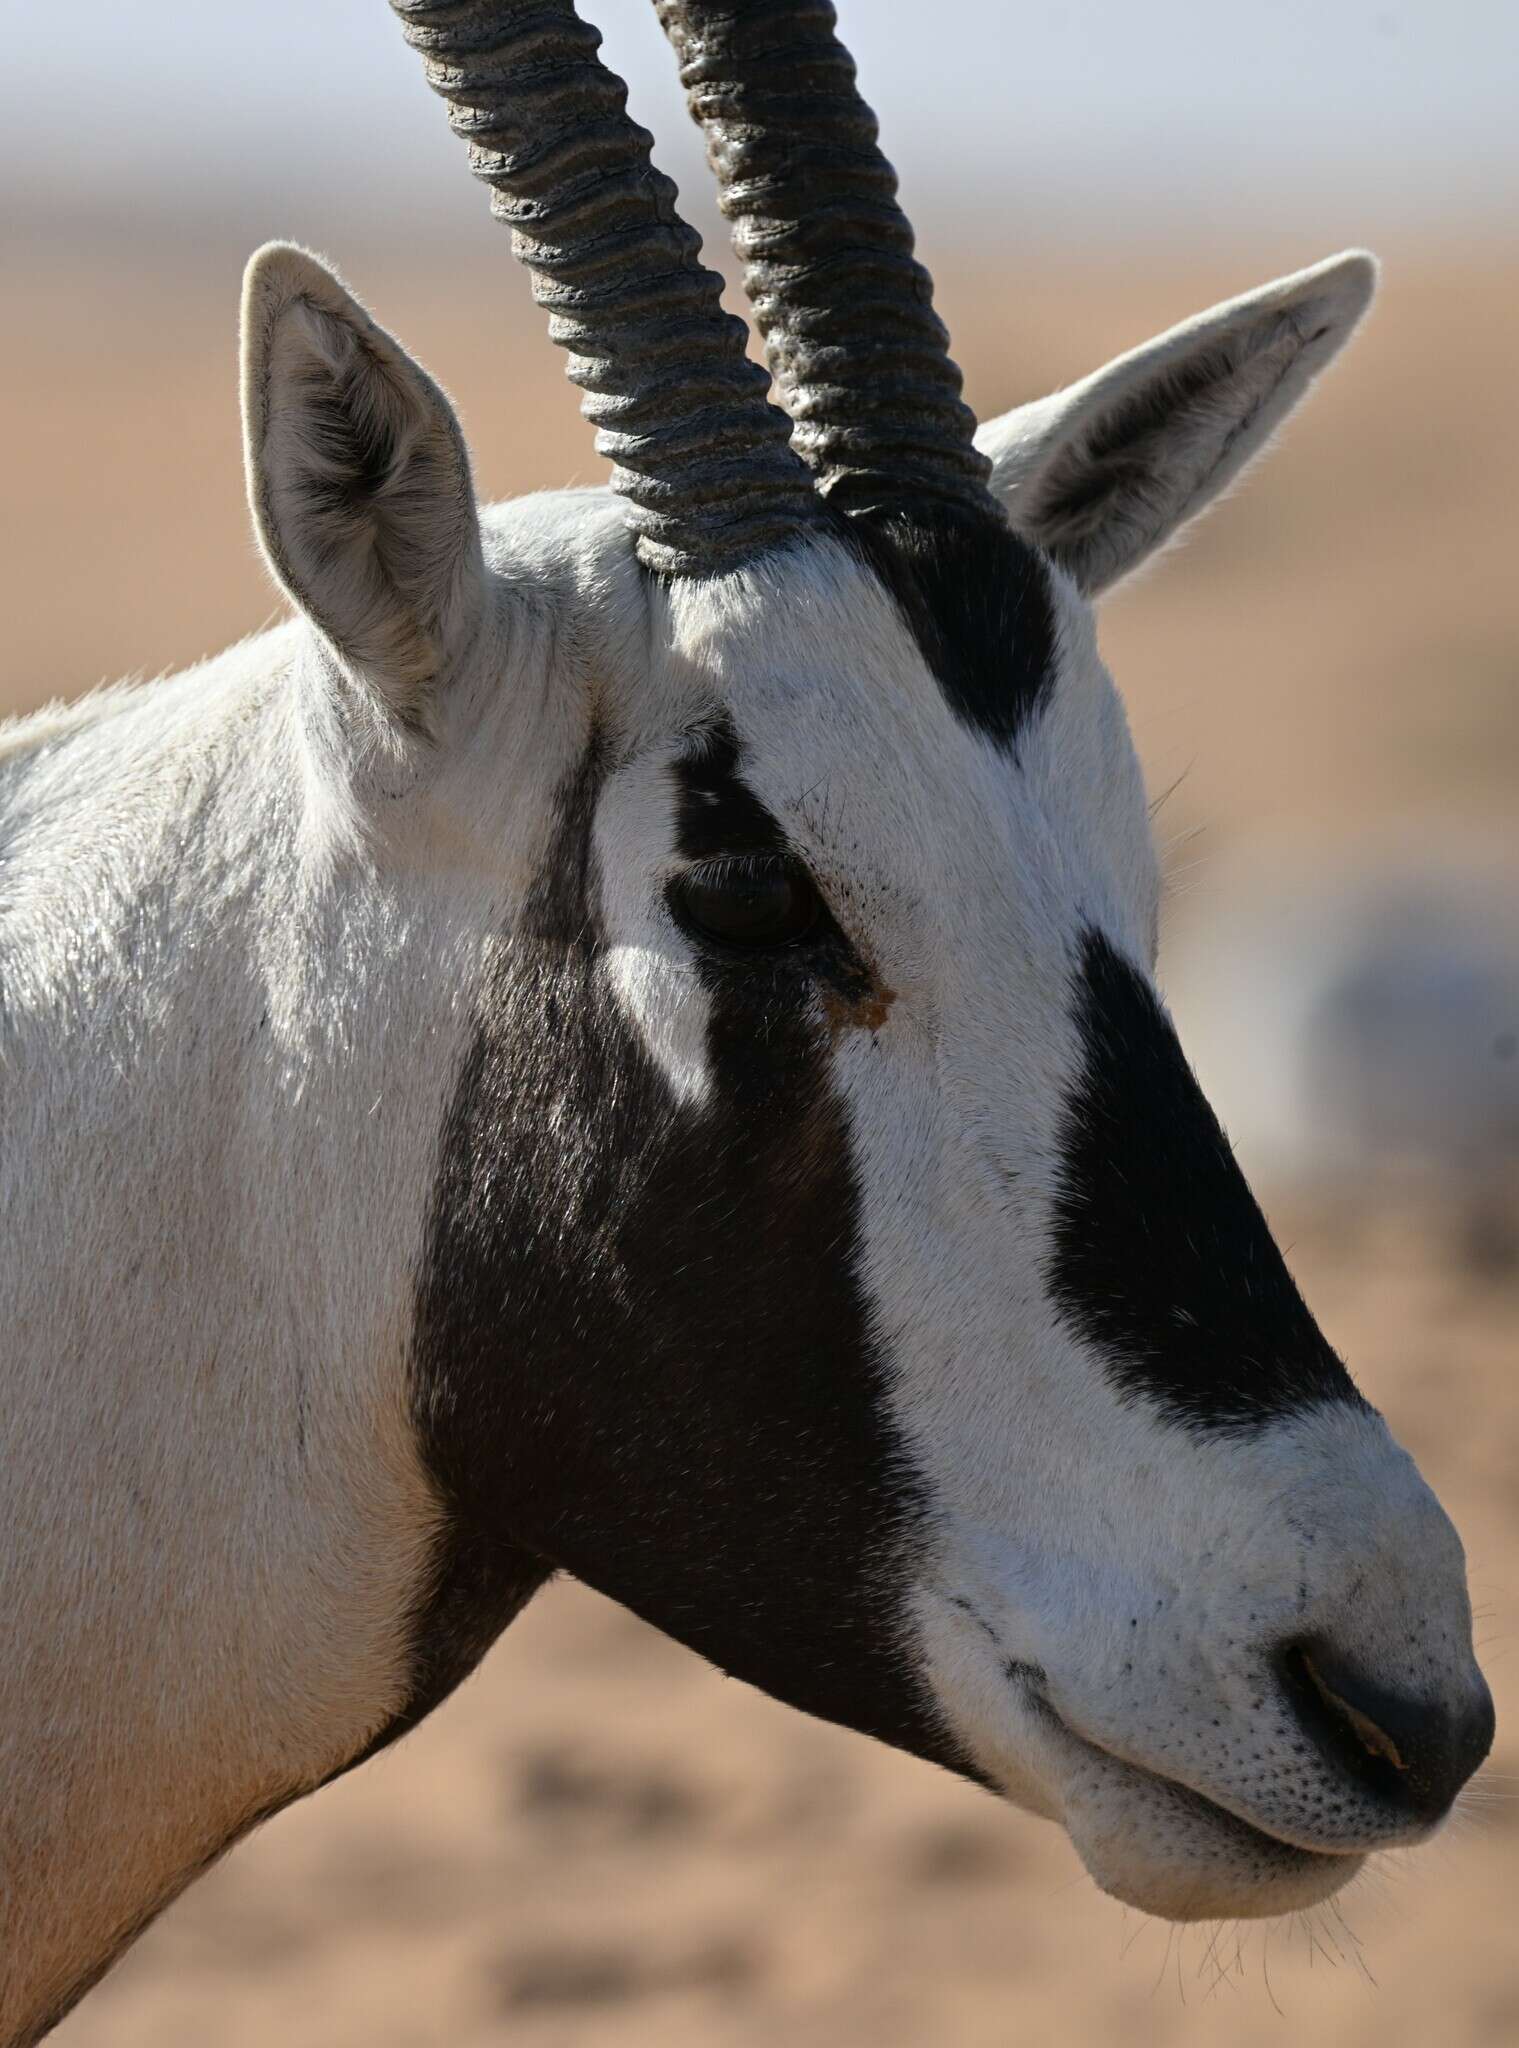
x=621, y=1040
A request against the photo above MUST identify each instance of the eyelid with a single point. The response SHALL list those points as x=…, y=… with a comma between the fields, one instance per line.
x=728, y=867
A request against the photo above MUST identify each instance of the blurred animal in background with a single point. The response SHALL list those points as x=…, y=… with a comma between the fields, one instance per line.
x=1414, y=1063
x=621, y=1039
x=1366, y=1032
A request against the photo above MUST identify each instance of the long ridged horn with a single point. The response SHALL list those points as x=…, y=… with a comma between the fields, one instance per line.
x=861, y=359
x=699, y=452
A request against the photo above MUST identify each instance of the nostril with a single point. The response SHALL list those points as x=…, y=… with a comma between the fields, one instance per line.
x=1373, y=1739
x=1410, y=1753
x=1346, y=1732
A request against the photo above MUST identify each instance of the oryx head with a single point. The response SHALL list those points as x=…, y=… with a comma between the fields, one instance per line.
x=831, y=1255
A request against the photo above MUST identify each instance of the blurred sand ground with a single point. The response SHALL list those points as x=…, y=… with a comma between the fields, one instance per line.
x=599, y=1841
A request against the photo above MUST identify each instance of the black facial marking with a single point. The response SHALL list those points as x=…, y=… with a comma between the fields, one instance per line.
x=976, y=598
x=642, y=1350
x=1162, y=1259
x=717, y=813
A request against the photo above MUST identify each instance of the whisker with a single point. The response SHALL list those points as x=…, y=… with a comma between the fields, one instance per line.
x=1158, y=803
x=1266, y=1974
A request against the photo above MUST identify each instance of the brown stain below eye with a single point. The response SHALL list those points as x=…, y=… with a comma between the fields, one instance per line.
x=862, y=1009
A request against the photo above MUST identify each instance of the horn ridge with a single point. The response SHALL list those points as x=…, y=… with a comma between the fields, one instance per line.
x=859, y=356
x=699, y=452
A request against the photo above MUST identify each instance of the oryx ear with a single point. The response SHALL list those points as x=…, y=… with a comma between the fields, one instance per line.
x=1104, y=473
x=358, y=479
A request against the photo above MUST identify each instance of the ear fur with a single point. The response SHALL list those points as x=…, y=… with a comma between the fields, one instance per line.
x=1106, y=472
x=358, y=480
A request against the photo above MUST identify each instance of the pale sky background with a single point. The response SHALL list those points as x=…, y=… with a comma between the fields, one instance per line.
x=1093, y=119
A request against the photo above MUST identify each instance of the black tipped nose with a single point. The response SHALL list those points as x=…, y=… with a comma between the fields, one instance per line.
x=1414, y=1754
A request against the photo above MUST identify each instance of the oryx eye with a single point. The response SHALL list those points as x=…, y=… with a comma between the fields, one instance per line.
x=756, y=900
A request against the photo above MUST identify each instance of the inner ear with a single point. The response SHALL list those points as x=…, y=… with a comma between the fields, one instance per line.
x=1151, y=456
x=1105, y=473
x=359, y=482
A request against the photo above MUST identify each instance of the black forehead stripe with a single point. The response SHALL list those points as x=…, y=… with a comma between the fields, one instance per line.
x=978, y=601
x=1162, y=1258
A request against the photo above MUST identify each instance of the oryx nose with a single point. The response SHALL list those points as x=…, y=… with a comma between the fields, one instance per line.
x=1413, y=1753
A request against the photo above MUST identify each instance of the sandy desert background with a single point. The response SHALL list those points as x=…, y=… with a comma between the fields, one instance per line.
x=599, y=1843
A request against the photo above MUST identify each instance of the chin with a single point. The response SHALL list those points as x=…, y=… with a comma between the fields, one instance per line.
x=1160, y=1846
x=1172, y=1853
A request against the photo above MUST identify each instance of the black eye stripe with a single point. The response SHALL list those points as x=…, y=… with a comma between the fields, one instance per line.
x=642, y=1348
x=720, y=820
x=718, y=817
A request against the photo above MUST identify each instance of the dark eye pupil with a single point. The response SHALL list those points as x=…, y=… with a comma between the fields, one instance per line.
x=747, y=902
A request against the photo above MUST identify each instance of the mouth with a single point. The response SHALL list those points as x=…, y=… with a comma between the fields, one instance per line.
x=1163, y=1847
